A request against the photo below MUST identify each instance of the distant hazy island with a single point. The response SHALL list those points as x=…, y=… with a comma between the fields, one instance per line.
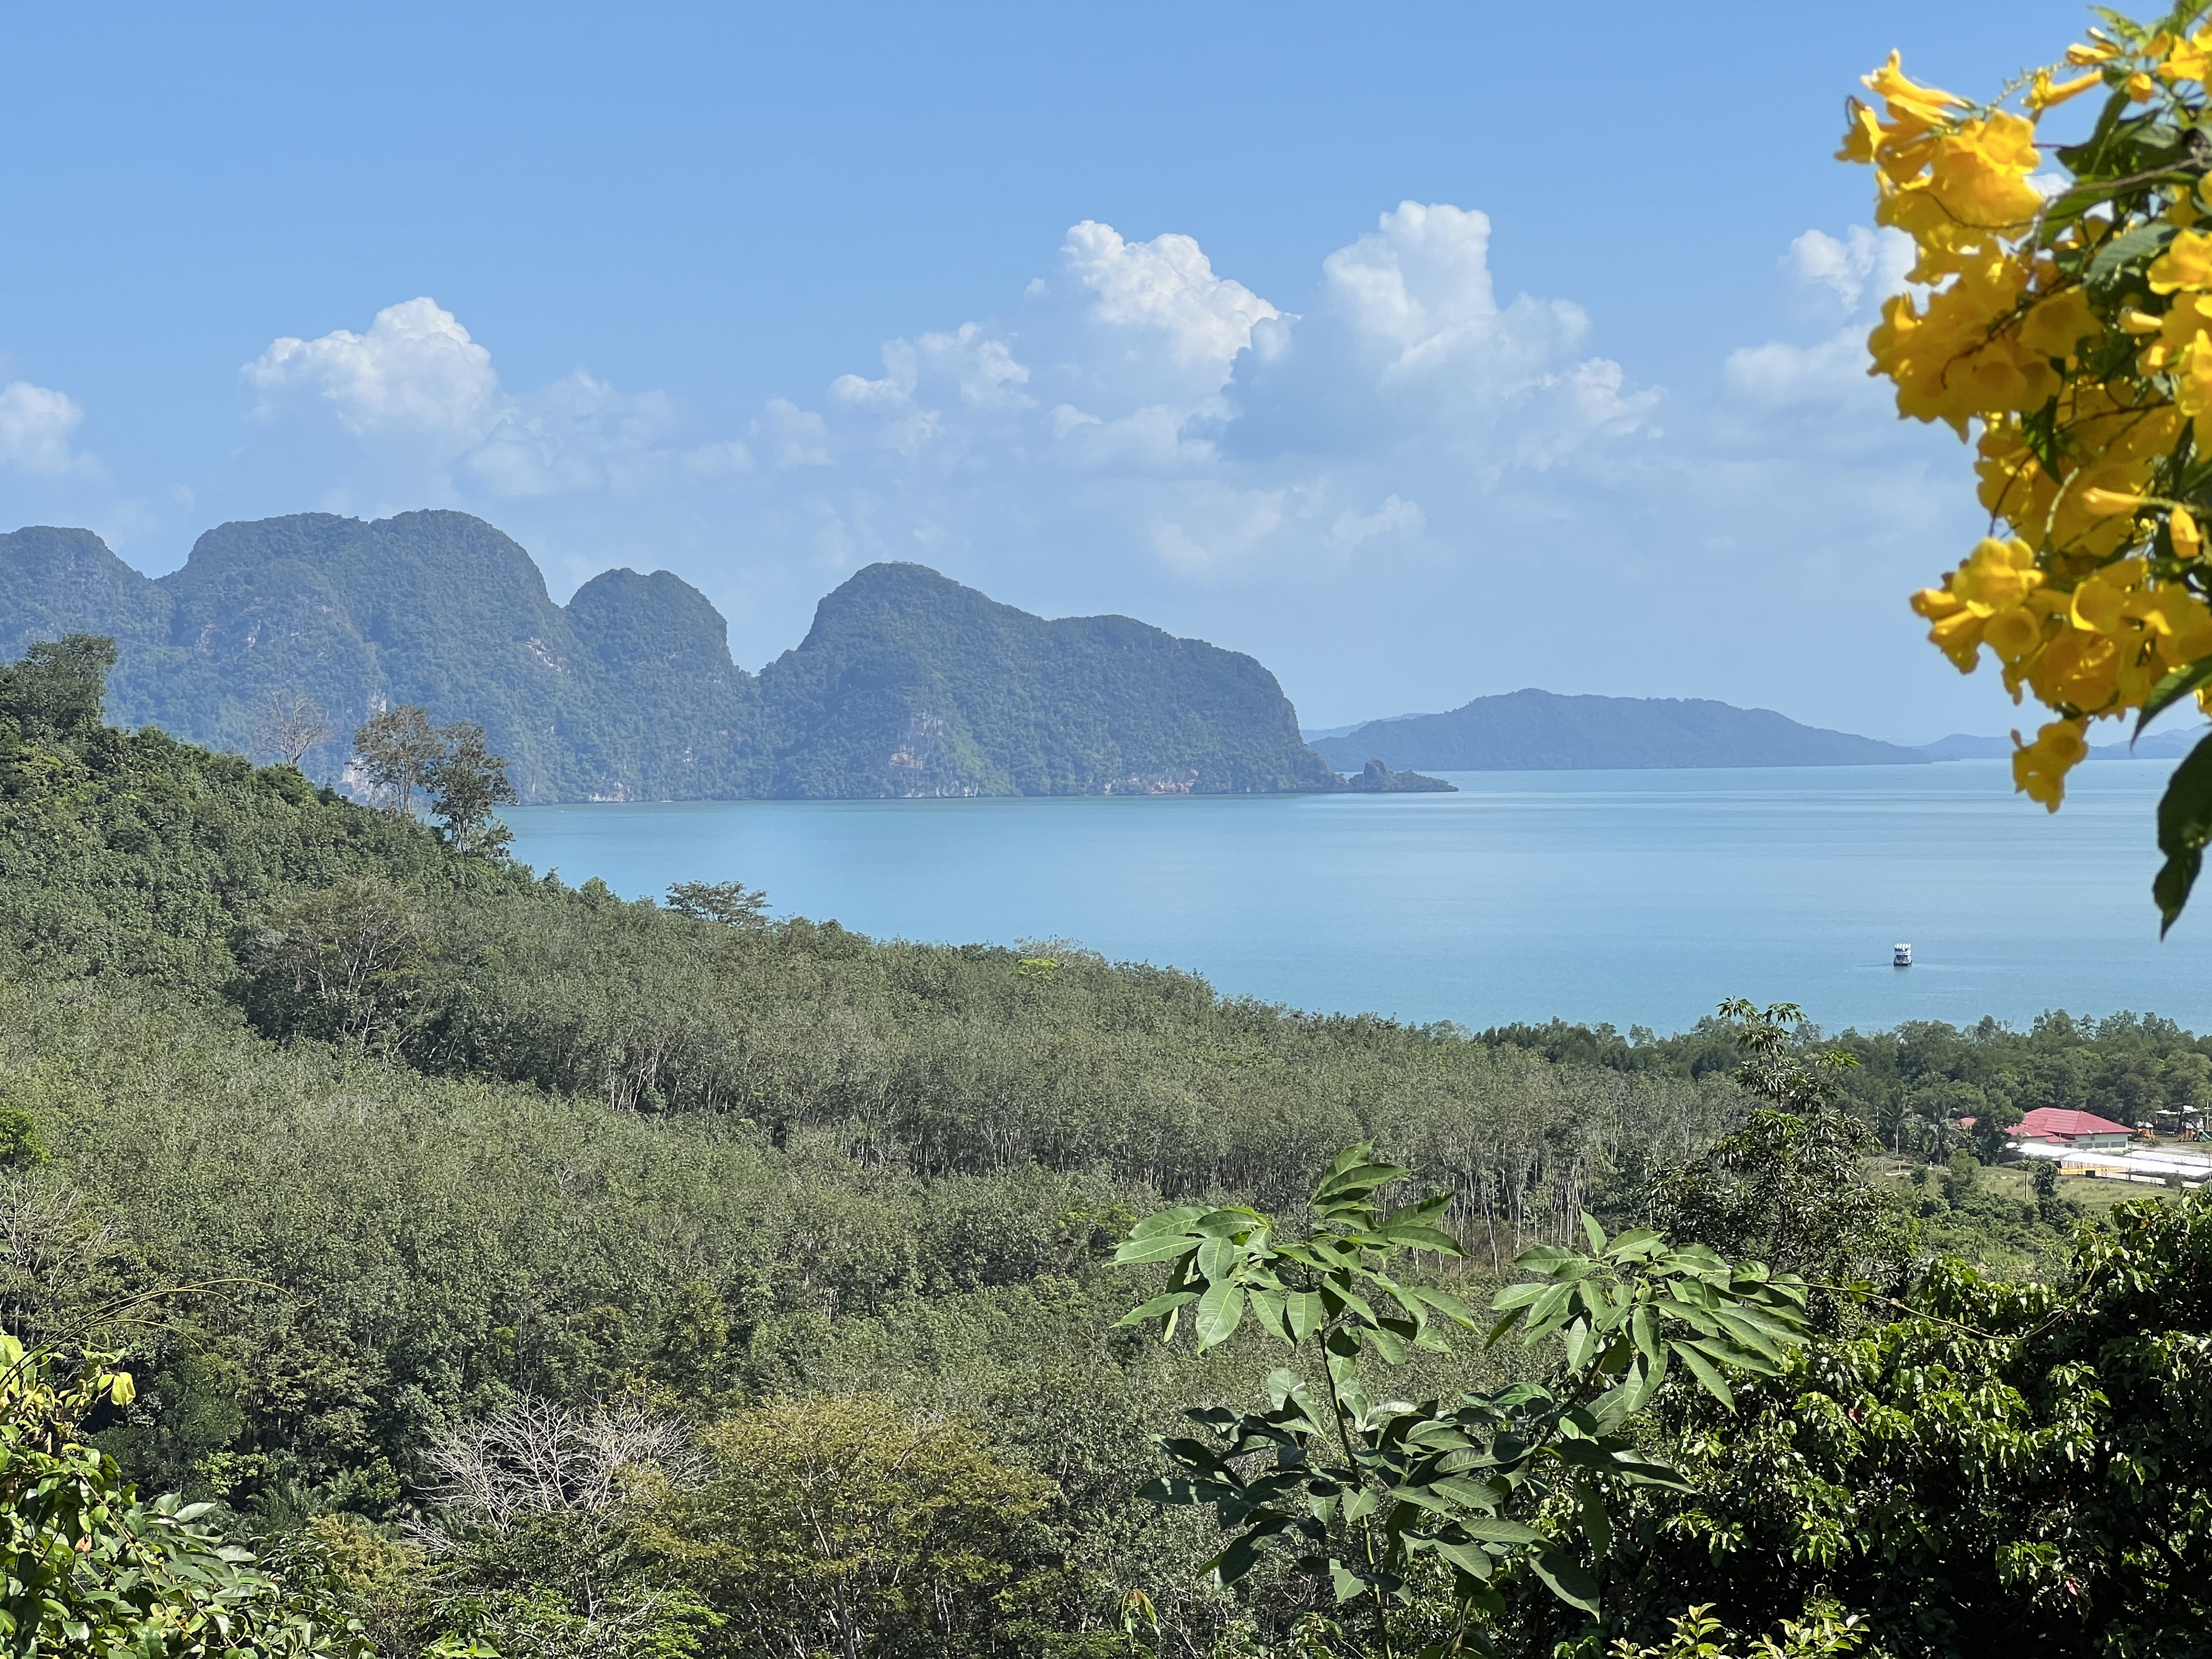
x=1535, y=731
x=2170, y=745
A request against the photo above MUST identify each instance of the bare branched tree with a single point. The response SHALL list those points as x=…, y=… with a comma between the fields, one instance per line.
x=53, y=1250
x=537, y=1458
x=288, y=723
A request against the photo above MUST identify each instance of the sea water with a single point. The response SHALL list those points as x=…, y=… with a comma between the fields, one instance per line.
x=1630, y=897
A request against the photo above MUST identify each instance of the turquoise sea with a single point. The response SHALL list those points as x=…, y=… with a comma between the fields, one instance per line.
x=1633, y=897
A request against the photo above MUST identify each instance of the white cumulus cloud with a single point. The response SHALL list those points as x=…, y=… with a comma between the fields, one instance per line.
x=1166, y=286
x=1862, y=264
x=1407, y=339
x=415, y=374
x=1848, y=276
x=36, y=423
x=421, y=398
x=1394, y=450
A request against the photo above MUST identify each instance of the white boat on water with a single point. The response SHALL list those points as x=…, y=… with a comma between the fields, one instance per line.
x=1901, y=955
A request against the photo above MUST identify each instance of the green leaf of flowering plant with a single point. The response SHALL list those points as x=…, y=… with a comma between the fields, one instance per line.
x=2131, y=249
x=2184, y=825
x=2183, y=682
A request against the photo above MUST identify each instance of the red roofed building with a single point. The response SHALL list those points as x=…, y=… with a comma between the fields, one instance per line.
x=2070, y=1128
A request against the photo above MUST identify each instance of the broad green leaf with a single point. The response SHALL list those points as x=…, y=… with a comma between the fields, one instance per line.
x=1695, y=1317
x=1470, y=1558
x=1226, y=1224
x=1518, y=1296
x=1566, y=1576
x=1146, y=1313
x=1492, y=1530
x=1579, y=1339
x=1590, y=1511
x=1303, y=1312
x=1347, y=1584
x=1355, y=1181
x=1217, y=1259
x=2139, y=245
x=1196, y=1453
x=1164, y=1247
x=1219, y=1313
x=1243, y=1551
x=1338, y=1298
x=1267, y=1308
x=1544, y=1258
x=1643, y=1471
x=1595, y=1233
x=1468, y=1493
x=1702, y=1369
x=1696, y=1258
x=1449, y=1305
x=1555, y=1300
x=1582, y=1454
x=1657, y=1373
x=1637, y=1241
x=1410, y=1301
x=1350, y=1158
x=1748, y=1334
x=1176, y=1220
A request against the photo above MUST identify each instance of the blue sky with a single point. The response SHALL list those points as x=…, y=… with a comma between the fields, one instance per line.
x=1423, y=352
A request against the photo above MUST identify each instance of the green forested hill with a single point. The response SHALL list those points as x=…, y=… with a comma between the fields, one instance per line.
x=522, y=1271
x=908, y=684
x=911, y=684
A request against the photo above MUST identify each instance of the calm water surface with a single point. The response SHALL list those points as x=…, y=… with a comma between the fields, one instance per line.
x=1635, y=897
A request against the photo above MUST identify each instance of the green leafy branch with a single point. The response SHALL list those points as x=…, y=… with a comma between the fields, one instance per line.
x=1368, y=1495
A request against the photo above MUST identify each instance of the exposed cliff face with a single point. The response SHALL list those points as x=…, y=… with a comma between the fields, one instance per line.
x=908, y=684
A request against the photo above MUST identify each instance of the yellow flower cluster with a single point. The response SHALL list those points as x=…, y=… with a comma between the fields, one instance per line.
x=2089, y=591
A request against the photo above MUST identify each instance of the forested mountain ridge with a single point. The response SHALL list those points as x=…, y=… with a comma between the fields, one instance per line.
x=911, y=684
x=628, y=690
x=1539, y=731
x=908, y=684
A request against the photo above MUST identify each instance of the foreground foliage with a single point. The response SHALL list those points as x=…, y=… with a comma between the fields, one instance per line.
x=2010, y=1468
x=92, y=1569
x=2073, y=328
x=1372, y=1492
x=584, y=1277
